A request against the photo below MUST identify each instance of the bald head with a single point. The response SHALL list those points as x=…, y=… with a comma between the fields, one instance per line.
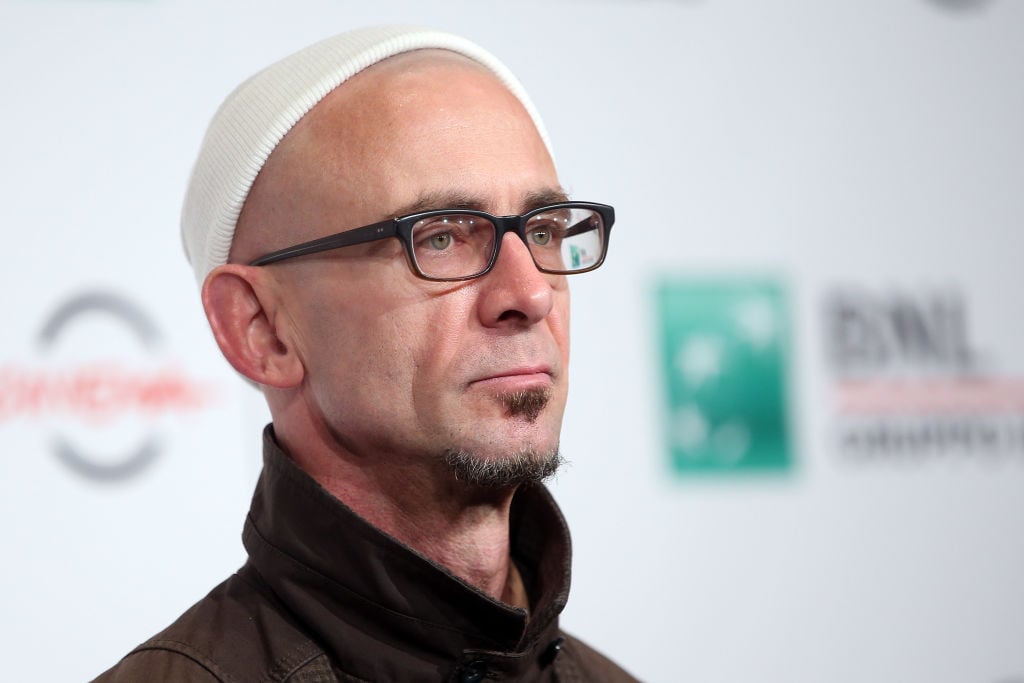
x=255, y=117
x=369, y=150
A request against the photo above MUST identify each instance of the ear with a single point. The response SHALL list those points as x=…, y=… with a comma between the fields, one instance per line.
x=239, y=304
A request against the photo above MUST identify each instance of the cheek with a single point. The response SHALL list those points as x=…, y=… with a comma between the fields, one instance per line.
x=340, y=342
x=558, y=321
x=434, y=339
x=359, y=374
x=392, y=345
x=355, y=350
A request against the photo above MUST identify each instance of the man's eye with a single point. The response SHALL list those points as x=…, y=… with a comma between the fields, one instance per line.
x=440, y=241
x=540, y=236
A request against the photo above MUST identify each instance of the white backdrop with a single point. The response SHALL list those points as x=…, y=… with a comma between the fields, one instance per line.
x=866, y=149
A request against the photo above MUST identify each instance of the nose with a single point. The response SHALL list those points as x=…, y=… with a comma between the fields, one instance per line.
x=515, y=293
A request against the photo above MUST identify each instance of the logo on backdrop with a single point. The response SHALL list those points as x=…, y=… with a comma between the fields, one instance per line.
x=725, y=360
x=102, y=386
x=910, y=382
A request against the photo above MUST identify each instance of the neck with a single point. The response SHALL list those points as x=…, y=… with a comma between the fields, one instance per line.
x=419, y=502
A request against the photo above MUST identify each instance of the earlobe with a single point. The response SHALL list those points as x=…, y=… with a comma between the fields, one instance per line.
x=239, y=307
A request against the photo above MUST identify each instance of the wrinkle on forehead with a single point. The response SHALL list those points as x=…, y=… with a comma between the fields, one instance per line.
x=354, y=121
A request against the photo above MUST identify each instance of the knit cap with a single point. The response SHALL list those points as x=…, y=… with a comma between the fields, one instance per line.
x=257, y=115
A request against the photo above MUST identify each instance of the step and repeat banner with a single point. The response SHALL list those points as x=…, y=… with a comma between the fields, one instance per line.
x=796, y=422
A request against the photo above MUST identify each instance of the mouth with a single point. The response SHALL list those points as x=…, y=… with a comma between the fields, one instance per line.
x=529, y=378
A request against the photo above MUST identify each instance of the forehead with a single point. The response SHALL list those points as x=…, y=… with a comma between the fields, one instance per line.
x=425, y=92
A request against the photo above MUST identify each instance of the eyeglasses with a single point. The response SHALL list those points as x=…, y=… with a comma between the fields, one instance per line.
x=455, y=244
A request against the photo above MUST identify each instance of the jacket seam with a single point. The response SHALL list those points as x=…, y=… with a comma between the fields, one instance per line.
x=306, y=650
x=293, y=661
x=187, y=651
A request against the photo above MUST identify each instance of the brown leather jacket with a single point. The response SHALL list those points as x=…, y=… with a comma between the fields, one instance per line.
x=325, y=596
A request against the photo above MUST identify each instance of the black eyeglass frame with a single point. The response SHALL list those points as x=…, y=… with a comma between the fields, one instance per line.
x=402, y=226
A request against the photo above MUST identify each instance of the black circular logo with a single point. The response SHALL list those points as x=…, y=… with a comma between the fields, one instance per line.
x=110, y=467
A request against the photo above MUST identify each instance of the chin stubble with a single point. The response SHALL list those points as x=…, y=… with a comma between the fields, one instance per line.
x=526, y=466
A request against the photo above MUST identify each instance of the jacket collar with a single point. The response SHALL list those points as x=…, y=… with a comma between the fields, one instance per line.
x=354, y=587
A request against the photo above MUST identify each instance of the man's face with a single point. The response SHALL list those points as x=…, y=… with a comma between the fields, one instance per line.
x=397, y=366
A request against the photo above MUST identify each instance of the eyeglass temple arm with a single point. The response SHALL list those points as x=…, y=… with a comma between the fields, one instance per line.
x=336, y=241
x=581, y=227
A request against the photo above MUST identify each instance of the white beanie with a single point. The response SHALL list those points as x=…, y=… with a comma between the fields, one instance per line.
x=257, y=115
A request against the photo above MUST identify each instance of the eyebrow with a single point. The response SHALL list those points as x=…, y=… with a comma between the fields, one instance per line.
x=454, y=199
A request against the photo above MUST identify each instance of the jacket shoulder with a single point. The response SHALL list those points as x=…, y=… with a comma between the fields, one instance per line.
x=236, y=634
x=144, y=664
x=584, y=663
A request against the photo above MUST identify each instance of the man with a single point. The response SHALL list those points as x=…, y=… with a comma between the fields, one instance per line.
x=413, y=351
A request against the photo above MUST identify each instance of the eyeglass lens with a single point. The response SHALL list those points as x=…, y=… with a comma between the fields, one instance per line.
x=563, y=240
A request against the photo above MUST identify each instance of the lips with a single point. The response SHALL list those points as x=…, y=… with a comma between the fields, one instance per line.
x=517, y=379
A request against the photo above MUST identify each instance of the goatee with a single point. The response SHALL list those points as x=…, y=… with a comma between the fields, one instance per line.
x=527, y=404
x=509, y=471
x=526, y=467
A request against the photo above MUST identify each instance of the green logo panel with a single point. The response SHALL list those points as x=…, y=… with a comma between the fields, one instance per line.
x=725, y=366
